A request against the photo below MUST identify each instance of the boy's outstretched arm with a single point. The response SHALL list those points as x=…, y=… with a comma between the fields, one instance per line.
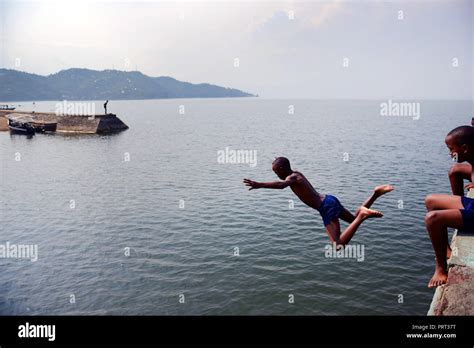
x=271, y=185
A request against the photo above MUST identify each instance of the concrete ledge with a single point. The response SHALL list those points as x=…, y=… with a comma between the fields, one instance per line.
x=3, y=124
x=99, y=124
x=77, y=124
x=456, y=297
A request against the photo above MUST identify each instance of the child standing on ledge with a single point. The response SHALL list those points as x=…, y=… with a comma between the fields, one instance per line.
x=450, y=211
x=329, y=207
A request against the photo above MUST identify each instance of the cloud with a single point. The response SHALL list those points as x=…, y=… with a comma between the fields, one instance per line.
x=327, y=11
x=306, y=14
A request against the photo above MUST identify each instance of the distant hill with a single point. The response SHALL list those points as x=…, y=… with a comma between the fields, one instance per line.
x=85, y=84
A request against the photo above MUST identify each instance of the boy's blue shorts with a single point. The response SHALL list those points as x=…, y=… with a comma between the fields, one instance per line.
x=330, y=208
x=467, y=214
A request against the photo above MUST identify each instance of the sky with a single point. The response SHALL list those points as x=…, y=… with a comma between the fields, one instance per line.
x=415, y=49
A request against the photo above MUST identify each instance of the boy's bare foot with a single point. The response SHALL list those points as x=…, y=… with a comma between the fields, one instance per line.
x=383, y=189
x=440, y=277
x=367, y=213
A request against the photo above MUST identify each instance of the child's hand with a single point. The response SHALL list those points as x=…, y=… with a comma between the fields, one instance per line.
x=251, y=184
x=469, y=186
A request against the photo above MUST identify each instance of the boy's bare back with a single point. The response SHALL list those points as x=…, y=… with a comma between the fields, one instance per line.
x=298, y=183
x=304, y=190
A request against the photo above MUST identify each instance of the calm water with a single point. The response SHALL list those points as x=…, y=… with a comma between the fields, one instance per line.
x=136, y=204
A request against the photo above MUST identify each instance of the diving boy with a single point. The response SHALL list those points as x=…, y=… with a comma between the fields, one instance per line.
x=329, y=207
x=450, y=210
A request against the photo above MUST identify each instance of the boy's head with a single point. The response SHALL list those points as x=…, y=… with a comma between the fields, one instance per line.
x=460, y=141
x=281, y=167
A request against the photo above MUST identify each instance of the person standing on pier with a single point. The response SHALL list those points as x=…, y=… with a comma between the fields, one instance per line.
x=105, y=106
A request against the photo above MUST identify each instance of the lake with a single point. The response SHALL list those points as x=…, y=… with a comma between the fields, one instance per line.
x=150, y=222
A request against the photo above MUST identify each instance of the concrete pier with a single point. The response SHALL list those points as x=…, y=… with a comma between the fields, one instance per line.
x=98, y=124
x=456, y=297
x=3, y=123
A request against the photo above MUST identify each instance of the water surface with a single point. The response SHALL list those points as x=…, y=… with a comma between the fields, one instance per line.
x=136, y=204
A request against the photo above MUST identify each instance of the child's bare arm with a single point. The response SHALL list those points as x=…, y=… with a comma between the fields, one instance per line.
x=471, y=184
x=271, y=185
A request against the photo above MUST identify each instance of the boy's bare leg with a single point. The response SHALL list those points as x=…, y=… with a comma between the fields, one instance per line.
x=347, y=216
x=457, y=174
x=443, y=202
x=334, y=229
x=378, y=191
x=437, y=223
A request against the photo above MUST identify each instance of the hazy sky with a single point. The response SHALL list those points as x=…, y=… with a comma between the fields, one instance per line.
x=292, y=49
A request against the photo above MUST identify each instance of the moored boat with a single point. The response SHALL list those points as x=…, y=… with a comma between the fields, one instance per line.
x=20, y=124
x=23, y=128
x=7, y=107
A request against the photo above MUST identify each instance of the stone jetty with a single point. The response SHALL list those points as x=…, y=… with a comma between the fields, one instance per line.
x=97, y=124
